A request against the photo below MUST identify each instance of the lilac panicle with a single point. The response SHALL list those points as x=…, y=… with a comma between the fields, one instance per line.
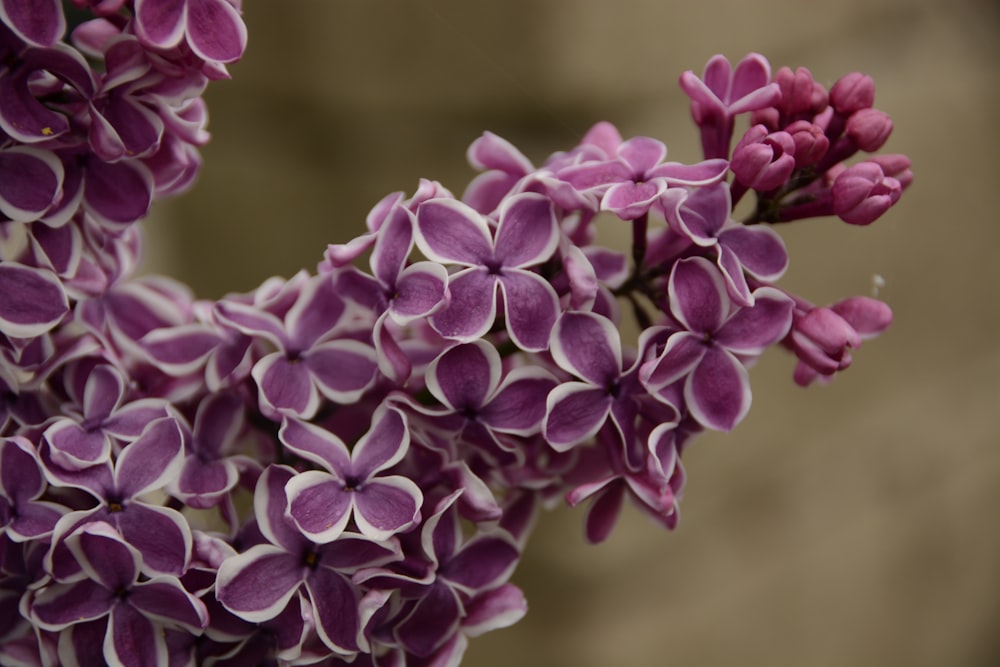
x=396, y=423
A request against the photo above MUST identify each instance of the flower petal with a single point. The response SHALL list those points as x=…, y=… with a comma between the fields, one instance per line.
x=258, y=584
x=574, y=412
x=319, y=505
x=718, y=391
x=588, y=346
x=464, y=376
x=342, y=369
x=531, y=306
x=698, y=295
x=215, y=30
x=33, y=300
x=528, y=232
x=449, y=231
x=473, y=306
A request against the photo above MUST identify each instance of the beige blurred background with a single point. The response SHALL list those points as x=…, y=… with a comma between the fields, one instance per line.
x=854, y=524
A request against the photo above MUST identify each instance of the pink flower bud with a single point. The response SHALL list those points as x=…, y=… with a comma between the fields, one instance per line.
x=869, y=128
x=862, y=193
x=800, y=93
x=811, y=143
x=763, y=161
x=852, y=92
x=895, y=166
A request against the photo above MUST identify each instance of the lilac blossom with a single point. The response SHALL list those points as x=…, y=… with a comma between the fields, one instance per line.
x=703, y=353
x=129, y=613
x=526, y=235
x=395, y=438
x=320, y=503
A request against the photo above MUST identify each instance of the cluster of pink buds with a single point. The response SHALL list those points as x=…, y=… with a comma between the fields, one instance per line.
x=344, y=467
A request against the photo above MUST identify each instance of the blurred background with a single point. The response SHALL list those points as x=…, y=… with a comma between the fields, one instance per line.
x=852, y=524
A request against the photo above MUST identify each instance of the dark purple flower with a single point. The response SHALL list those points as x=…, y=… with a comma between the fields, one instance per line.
x=259, y=584
x=162, y=535
x=22, y=515
x=703, y=217
x=321, y=503
x=38, y=22
x=34, y=300
x=527, y=234
x=704, y=353
x=310, y=360
x=136, y=612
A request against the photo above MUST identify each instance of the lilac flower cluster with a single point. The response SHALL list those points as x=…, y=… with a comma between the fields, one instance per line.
x=344, y=466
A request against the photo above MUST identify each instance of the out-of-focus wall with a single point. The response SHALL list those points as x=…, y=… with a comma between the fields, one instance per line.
x=855, y=524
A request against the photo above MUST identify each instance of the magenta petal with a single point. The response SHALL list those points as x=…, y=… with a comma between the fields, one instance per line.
x=698, y=295
x=258, y=584
x=482, y=563
x=104, y=556
x=73, y=447
x=449, y=231
x=588, y=346
x=316, y=444
x=118, y=192
x=759, y=249
x=335, y=609
x=315, y=314
x=33, y=300
x=269, y=505
x=152, y=460
x=695, y=175
x=319, y=505
x=498, y=608
x=103, y=392
x=602, y=515
x=519, y=404
x=342, y=369
x=160, y=23
x=629, y=200
x=752, y=329
x=528, y=232
x=203, y=484
x=383, y=445
x=161, y=535
x=392, y=245
x=718, y=391
x=492, y=152
x=465, y=375
x=38, y=22
x=387, y=505
x=682, y=352
x=165, y=600
x=736, y=281
x=531, y=306
x=472, y=308
x=31, y=183
x=434, y=619
x=286, y=385
x=215, y=30
x=20, y=478
x=420, y=290
x=133, y=640
x=60, y=605
x=575, y=411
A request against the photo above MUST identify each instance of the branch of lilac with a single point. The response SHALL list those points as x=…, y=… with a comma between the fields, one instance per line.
x=344, y=467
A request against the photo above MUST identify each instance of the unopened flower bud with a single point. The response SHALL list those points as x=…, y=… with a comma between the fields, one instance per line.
x=811, y=142
x=800, y=93
x=763, y=161
x=895, y=165
x=862, y=193
x=869, y=129
x=852, y=92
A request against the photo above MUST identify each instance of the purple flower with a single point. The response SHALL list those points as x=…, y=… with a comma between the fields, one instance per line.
x=86, y=438
x=481, y=406
x=722, y=93
x=704, y=352
x=160, y=534
x=258, y=585
x=307, y=362
x=22, y=515
x=527, y=234
x=630, y=183
x=38, y=22
x=320, y=504
x=589, y=347
x=132, y=613
x=702, y=216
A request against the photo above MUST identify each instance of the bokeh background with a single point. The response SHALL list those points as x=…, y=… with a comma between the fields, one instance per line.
x=852, y=524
